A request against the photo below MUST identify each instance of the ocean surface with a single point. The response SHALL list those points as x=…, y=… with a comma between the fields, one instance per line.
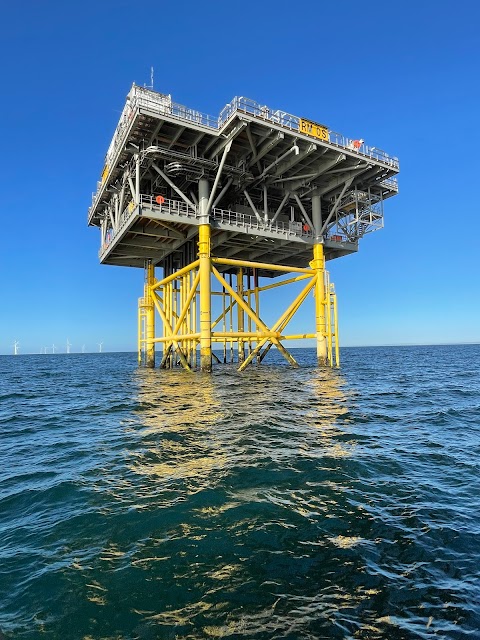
x=277, y=503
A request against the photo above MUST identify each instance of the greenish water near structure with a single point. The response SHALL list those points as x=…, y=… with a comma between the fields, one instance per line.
x=278, y=503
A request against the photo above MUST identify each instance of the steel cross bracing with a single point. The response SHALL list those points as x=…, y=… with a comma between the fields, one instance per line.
x=253, y=193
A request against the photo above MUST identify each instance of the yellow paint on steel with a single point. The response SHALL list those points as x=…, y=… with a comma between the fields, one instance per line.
x=179, y=338
x=246, y=334
x=149, y=316
x=170, y=336
x=281, y=283
x=261, y=265
x=240, y=315
x=140, y=326
x=180, y=272
x=318, y=263
x=328, y=318
x=227, y=310
x=282, y=321
x=205, y=297
x=335, y=321
x=255, y=318
x=186, y=304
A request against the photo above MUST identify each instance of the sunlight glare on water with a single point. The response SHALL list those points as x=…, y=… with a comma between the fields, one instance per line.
x=276, y=503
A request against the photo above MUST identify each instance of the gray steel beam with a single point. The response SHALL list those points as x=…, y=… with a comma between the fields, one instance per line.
x=226, y=149
x=322, y=170
x=228, y=139
x=286, y=166
x=174, y=186
x=335, y=206
x=303, y=211
x=252, y=206
x=222, y=193
x=172, y=231
x=176, y=137
x=266, y=147
x=282, y=204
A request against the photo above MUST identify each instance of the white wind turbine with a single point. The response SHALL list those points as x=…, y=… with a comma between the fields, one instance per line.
x=100, y=347
x=16, y=344
x=53, y=348
x=68, y=345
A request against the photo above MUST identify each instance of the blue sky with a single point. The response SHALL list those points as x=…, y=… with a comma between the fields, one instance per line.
x=402, y=76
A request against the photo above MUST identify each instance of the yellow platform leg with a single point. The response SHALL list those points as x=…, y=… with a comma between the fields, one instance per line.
x=149, y=316
x=205, y=298
x=318, y=264
x=240, y=317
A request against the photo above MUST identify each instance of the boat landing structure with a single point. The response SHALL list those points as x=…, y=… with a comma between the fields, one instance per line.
x=225, y=206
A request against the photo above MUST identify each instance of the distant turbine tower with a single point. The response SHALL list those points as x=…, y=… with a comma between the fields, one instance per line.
x=16, y=344
x=53, y=348
x=100, y=347
x=68, y=346
x=83, y=348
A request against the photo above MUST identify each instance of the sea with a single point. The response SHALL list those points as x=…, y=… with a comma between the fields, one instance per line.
x=276, y=503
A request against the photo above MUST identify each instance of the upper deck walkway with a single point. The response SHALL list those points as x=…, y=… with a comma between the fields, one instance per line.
x=141, y=98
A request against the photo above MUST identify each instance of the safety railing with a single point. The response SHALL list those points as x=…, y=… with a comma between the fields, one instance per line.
x=252, y=223
x=238, y=219
x=168, y=206
x=390, y=183
x=289, y=121
x=159, y=103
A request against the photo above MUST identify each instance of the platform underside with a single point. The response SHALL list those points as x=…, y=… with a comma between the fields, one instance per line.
x=263, y=200
x=147, y=234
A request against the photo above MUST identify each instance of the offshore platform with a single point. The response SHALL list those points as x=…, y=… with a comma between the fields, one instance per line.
x=224, y=205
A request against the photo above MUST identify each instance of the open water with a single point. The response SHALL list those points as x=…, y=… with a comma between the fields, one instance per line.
x=278, y=503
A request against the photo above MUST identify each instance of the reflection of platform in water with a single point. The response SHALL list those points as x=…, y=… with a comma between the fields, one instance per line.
x=252, y=193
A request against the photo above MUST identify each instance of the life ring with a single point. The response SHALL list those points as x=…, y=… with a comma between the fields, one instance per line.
x=160, y=200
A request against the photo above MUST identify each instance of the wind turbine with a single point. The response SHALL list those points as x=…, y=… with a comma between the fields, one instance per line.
x=83, y=348
x=16, y=344
x=68, y=346
x=53, y=348
x=100, y=347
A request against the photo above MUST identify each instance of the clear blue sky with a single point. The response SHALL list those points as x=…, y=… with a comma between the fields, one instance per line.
x=403, y=76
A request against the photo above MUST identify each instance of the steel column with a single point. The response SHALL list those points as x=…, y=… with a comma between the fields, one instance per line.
x=149, y=316
x=205, y=278
x=318, y=264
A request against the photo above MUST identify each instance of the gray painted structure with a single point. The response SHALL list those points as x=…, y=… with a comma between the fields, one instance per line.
x=272, y=190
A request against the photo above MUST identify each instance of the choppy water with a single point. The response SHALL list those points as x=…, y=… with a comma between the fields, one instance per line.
x=277, y=503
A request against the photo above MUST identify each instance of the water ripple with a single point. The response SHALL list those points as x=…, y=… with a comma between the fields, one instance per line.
x=270, y=504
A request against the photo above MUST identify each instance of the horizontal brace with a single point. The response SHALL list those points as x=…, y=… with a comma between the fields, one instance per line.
x=278, y=284
x=178, y=338
x=247, y=334
x=175, y=275
x=261, y=265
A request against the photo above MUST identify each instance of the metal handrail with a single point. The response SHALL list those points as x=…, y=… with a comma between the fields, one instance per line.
x=235, y=218
x=163, y=104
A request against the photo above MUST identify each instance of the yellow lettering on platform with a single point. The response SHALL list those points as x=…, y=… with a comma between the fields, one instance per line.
x=313, y=129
